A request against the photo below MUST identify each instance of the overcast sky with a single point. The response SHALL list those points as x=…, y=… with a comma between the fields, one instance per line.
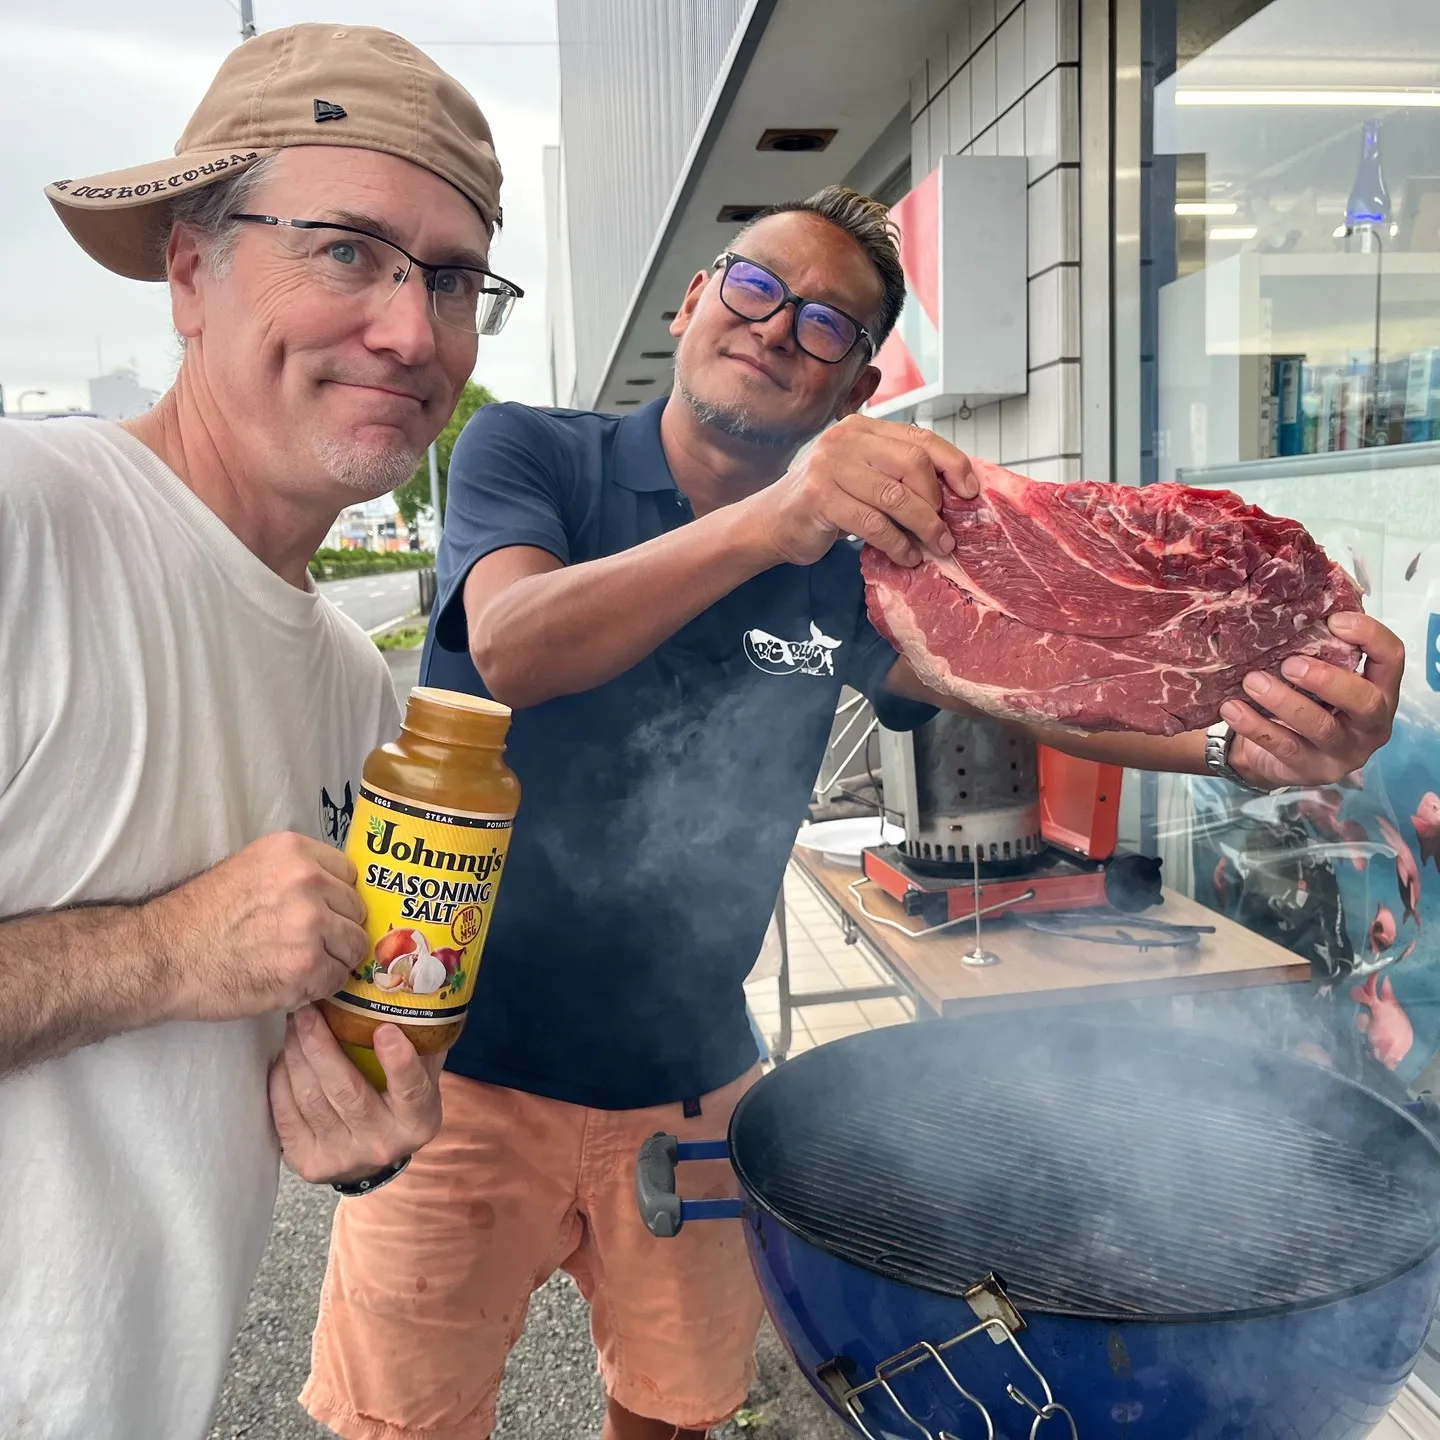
x=94, y=85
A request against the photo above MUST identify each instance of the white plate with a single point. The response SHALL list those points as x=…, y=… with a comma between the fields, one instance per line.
x=841, y=841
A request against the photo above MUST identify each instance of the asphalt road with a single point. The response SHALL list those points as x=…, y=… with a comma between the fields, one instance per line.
x=375, y=599
x=551, y=1390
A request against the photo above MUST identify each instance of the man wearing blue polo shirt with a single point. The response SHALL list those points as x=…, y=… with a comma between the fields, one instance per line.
x=669, y=602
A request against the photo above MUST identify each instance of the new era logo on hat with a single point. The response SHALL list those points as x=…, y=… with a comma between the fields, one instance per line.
x=324, y=111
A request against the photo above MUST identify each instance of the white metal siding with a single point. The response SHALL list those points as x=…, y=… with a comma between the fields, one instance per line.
x=634, y=79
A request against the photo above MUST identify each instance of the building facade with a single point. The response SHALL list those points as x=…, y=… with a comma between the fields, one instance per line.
x=635, y=79
x=119, y=395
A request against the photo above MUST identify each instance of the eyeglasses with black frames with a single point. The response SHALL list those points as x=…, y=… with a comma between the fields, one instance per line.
x=350, y=261
x=822, y=331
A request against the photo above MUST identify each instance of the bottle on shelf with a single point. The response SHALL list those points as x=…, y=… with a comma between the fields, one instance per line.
x=1286, y=388
x=1367, y=211
x=1422, y=396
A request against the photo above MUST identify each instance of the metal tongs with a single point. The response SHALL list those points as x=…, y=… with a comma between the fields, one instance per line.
x=1075, y=925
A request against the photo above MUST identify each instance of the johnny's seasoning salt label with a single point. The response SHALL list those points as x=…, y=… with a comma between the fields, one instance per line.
x=429, y=838
x=428, y=877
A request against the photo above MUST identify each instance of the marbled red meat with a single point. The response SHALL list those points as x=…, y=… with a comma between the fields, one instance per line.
x=1107, y=607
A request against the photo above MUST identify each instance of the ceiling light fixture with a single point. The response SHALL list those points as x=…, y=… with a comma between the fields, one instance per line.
x=1205, y=207
x=1369, y=99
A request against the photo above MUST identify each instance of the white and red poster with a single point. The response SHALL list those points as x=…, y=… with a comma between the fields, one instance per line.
x=909, y=359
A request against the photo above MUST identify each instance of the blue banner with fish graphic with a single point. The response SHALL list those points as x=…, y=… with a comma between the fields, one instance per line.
x=1349, y=875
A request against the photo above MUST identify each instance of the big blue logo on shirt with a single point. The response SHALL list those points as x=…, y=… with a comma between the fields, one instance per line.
x=815, y=656
x=1432, y=653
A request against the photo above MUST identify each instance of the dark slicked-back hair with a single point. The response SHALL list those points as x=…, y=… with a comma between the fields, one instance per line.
x=868, y=223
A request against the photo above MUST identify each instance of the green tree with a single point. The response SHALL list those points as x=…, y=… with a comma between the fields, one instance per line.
x=414, y=495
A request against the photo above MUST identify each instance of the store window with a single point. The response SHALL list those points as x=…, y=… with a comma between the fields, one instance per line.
x=1292, y=201
x=1290, y=351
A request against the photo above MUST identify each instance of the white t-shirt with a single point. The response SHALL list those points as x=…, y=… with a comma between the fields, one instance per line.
x=165, y=698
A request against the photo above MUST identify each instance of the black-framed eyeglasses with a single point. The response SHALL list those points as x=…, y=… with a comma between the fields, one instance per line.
x=465, y=297
x=822, y=331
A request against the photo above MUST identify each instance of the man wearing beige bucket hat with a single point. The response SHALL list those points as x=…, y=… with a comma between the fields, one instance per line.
x=182, y=713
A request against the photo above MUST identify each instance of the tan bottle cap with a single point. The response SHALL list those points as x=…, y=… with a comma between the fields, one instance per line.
x=454, y=718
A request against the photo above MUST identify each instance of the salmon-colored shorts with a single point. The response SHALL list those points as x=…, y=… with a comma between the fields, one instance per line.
x=430, y=1277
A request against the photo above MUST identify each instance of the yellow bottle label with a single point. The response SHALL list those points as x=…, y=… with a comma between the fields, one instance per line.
x=429, y=878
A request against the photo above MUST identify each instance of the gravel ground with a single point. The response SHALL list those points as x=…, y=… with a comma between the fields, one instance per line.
x=551, y=1390
x=272, y=1352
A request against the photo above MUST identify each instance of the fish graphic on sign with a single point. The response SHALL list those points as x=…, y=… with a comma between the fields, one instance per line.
x=1354, y=831
x=1221, y=881
x=1361, y=571
x=1382, y=929
x=1426, y=821
x=1322, y=809
x=1407, y=872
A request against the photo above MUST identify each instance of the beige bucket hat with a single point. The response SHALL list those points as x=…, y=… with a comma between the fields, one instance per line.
x=308, y=85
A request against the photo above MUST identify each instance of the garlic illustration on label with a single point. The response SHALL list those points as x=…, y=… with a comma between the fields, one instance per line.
x=427, y=974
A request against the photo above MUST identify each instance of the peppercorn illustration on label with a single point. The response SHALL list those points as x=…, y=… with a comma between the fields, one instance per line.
x=429, y=878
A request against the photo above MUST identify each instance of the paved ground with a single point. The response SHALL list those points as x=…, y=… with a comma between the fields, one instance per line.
x=375, y=599
x=551, y=1390
x=404, y=670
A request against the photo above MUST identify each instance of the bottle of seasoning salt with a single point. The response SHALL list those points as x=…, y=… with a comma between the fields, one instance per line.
x=428, y=837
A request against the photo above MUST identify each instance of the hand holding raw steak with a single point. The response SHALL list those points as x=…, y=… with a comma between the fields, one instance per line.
x=1107, y=607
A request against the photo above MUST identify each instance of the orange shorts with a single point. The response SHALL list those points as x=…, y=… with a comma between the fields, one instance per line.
x=430, y=1277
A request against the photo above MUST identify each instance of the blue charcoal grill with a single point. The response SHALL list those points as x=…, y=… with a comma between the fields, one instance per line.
x=1063, y=1229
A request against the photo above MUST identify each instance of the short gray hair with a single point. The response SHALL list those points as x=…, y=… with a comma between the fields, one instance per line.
x=867, y=222
x=209, y=209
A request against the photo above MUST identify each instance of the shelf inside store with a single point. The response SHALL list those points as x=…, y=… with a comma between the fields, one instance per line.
x=1320, y=306
x=1221, y=328
x=1330, y=462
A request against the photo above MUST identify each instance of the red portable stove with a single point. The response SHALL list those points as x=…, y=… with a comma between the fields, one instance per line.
x=1041, y=826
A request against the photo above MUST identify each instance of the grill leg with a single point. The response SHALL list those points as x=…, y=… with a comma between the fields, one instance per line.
x=782, y=1043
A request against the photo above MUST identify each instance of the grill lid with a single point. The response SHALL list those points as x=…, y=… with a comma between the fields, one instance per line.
x=1107, y=1172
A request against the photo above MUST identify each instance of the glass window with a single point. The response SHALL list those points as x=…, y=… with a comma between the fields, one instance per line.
x=1290, y=349
x=1292, y=200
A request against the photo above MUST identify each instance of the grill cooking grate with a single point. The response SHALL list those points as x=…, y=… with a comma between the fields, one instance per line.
x=1100, y=1176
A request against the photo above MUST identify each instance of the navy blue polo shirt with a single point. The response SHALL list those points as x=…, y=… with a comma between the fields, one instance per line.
x=657, y=810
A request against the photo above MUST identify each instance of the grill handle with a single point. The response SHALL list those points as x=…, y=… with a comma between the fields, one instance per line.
x=662, y=1210
x=1426, y=1109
